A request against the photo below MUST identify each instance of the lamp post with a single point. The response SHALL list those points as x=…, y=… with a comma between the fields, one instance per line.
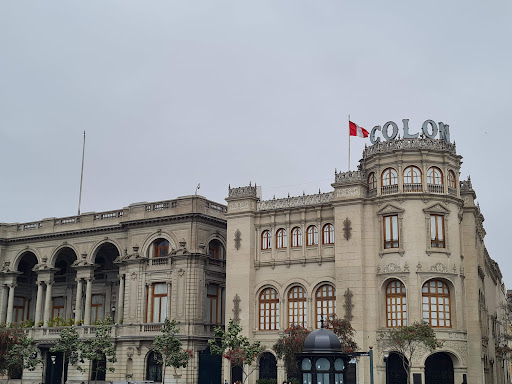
x=53, y=358
x=113, y=309
x=386, y=359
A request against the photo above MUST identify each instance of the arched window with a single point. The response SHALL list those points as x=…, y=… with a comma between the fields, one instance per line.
x=396, y=307
x=328, y=234
x=154, y=367
x=436, y=304
x=325, y=298
x=412, y=179
x=297, y=307
x=312, y=235
x=269, y=309
x=161, y=248
x=296, y=237
x=452, y=181
x=281, y=238
x=435, y=180
x=372, y=181
x=389, y=181
x=216, y=249
x=266, y=240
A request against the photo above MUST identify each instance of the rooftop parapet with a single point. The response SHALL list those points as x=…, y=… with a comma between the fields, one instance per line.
x=296, y=201
x=465, y=185
x=405, y=144
x=241, y=192
x=351, y=177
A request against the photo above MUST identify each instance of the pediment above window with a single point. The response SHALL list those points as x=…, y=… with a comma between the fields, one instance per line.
x=390, y=209
x=437, y=208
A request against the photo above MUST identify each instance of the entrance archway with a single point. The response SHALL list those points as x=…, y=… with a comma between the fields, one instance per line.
x=439, y=369
x=268, y=366
x=395, y=370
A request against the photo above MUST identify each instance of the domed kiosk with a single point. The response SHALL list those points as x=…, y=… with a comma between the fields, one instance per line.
x=322, y=361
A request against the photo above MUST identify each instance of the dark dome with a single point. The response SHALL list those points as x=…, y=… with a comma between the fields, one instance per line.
x=322, y=340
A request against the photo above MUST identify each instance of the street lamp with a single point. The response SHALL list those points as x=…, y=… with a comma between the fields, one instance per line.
x=386, y=359
x=53, y=358
x=113, y=309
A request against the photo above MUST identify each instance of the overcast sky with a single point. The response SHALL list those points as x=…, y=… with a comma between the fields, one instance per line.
x=176, y=93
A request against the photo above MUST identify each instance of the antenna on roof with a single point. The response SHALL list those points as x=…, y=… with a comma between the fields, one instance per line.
x=81, y=177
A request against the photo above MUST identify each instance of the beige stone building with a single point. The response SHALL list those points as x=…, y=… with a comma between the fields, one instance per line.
x=139, y=265
x=398, y=241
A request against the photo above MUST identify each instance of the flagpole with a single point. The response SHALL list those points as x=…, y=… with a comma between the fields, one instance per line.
x=349, y=142
x=81, y=177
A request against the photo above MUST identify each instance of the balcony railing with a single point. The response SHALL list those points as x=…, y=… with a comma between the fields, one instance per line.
x=164, y=260
x=413, y=187
x=436, y=188
x=387, y=189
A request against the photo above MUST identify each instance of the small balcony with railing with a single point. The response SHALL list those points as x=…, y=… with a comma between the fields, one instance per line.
x=413, y=187
x=436, y=188
x=389, y=189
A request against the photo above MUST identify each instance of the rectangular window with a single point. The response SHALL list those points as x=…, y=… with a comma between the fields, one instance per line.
x=391, y=232
x=212, y=304
x=159, y=296
x=19, y=309
x=58, y=308
x=97, y=308
x=437, y=239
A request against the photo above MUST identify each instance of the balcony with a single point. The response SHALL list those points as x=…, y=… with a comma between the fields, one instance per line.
x=388, y=189
x=413, y=187
x=436, y=188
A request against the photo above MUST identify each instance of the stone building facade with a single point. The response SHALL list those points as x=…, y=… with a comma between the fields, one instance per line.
x=399, y=240
x=139, y=265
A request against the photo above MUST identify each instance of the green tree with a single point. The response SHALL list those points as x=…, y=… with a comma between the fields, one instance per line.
x=70, y=345
x=169, y=348
x=343, y=329
x=288, y=345
x=17, y=351
x=100, y=348
x=406, y=341
x=236, y=348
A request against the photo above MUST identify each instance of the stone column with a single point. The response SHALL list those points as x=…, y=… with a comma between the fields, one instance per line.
x=39, y=302
x=48, y=303
x=169, y=300
x=3, y=307
x=88, y=301
x=149, y=305
x=120, y=299
x=10, y=304
x=78, y=302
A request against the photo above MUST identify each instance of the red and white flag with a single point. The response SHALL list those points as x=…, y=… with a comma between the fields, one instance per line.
x=356, y=130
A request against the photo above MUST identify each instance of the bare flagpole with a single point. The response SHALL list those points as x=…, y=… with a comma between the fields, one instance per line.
x=348, y=143
x=81, y=177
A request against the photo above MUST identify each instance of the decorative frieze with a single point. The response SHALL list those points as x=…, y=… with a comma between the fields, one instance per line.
x=248, y=191
x=408, y=144
x=351, y=177
x=297, y=201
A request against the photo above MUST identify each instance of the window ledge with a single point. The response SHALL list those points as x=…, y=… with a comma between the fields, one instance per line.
x=389, y=251
x=443, y=251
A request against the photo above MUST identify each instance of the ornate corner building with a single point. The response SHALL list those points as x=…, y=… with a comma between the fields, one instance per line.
x=137, y=265
x=399, y=241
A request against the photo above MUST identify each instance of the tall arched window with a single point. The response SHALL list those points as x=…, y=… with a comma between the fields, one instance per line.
x=436, y=304
x=297, y=307
x=452, y=183
x=269, y=309
x=389, y=181
x=281, y=238
x=296, y=237
x=396, y=307
x=372, y=181
x=325, y=299
x=161, y=248
x=328, y=234
x=312, y=235
x=412, y=179
x=266, y=240
x=435, y=180
x=154, y=367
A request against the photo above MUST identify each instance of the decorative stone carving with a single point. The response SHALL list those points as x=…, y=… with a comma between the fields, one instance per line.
x=239, y=205
x=351, y=177
x=347, y=229
x=392, y=268
x=419, y=143
x=406, y=267
x=439, y=267
x=248, y=191
x=348, y=305
x=347, y=192
x=419, y=267
x=297, y=201
x=238, y=239
x=236, y=308
x=465, y=185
